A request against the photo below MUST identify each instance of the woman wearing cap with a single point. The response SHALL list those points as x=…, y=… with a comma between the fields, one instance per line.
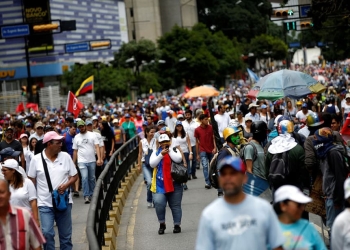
x=146, y=146
x=289, y=204
x=164, y=189
x=23, y=139
x=345, y=109
x=23, y=192
x=246, y=132
x=182, y=140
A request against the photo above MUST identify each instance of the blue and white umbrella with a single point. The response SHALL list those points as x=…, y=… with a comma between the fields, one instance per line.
x=285, y=83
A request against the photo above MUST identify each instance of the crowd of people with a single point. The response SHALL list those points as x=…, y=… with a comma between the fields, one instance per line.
x=289, y=152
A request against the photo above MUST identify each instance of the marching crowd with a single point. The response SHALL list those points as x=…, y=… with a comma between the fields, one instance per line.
x=289, y=152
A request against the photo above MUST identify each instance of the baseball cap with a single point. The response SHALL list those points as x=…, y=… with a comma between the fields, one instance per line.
x=263, y=106
x=80, y=123
x=234, y=162
x=23, y=135
x=289, y=192
x=204, y=104
x=178, y=123
x=127, y=115
x=52, y=135
x=88, y=122
x=39, y=124
x=163, y=137
x=12, y=164
x=9, y=152
x=304, y=105
x=48, y=128
x=115, y=121
x=145, y=123
x=238, y=112
x=180, y=116
x=94, y=118
x=347, y=95
x=347, y=188
x=248, y=118
x=51, y=120
x=252, y=105
x=28, y=124
x=170, y=112
x=160, y=122
x=78, y=119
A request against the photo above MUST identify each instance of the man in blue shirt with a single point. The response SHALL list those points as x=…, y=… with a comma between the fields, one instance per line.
x=69, y=137
x=238, y=221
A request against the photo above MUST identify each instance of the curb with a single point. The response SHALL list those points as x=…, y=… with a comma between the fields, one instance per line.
x=115, y=214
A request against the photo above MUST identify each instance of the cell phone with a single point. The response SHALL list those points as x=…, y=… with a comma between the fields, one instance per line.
x=167, y=146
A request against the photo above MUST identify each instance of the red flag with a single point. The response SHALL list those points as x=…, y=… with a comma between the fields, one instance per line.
x=73, y=105
x=33, y=106
x=20, y=108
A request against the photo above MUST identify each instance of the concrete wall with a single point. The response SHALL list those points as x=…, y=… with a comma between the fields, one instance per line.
x=170, y=12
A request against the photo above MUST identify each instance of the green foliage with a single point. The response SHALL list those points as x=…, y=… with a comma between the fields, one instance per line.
x=265, y=46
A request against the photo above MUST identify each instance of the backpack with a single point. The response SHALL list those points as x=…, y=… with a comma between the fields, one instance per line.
x=279, y=170
x=346, y=157
x=213, y=168
x=241, y=152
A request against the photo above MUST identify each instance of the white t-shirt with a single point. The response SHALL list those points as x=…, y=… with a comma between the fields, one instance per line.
x=28, y=155
x=59, y=170
x=189, y=129
x=341, y=231
x=222, y=121
x=346, y=108
x=145, y=146
x=85, y=144
x=255, y=117
x=21, y=197
x=170, y=122
x=301, y=116
x=182, y=142
x=265, y=118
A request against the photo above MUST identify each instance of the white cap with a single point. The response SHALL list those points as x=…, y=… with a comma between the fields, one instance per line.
x=347, y=188
x=163, y=137
x=276, y=120
x=94, y=118
x=289, y=192
x=12, y=164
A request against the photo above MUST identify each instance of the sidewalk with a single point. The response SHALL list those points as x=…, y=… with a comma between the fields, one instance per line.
x=139, y=226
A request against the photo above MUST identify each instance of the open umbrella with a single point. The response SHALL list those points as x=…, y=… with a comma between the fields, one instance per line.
x=285, y=83
x=202, y=91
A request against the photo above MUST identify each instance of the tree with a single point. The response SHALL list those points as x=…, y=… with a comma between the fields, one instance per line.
x=265, y=46
x=110, y=81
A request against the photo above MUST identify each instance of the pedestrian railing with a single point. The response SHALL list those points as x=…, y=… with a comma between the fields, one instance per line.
x=106, y=190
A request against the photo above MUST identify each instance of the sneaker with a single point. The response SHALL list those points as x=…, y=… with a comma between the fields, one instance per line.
x=149, y=205
x=194, y=177
x=220, y=194
x=189, y=178
x=87, y=200
x=162, y=228
x=177, y=229
x=207, y=186
x=185, y=186
x=76, y=194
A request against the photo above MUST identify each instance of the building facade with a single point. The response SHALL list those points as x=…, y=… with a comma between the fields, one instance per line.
x=95, y=20
x=150, y=19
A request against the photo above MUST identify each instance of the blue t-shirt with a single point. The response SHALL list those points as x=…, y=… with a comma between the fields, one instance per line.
x=302, y=235
x=69, y=144
x=252, y=224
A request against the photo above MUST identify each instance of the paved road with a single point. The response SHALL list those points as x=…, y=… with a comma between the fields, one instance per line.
x=139, y=225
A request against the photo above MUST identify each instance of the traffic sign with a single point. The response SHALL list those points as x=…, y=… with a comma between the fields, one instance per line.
x=304, y=10
x=15, y=31
x=294, y=45
x=77, y=47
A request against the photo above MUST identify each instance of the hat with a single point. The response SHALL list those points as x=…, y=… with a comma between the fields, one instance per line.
x=94, y=118
x=163, y=137
x=347, y=188
x=178, y=123
x=115, y=121
x=180, y=116
x=51, y=120
x=299, y=103
x=248, y=118
x=263, y=106
x=104, y=118
x=52, y=135
x=48, y=128
x=145, y=123
x=160, y=122
x=234, y=162
x=140, y=101
x=289, y=192
x=39, y=124
x=252, y=105
x=204, y=104
x=23, y=135
x=78, y=119
x=10, y=128
x=12, y=164
x=80, y=123
x=164, y=130
x=9, y=152
x=88, y=122
x=28, y=124
x=238, y=112
x=347, y=95
x=126, y=116
x=304, y=105
x=282, y=143
x=276, y=120
x=170, y=112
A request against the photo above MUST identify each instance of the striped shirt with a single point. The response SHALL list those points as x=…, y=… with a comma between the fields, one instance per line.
x=20, y=231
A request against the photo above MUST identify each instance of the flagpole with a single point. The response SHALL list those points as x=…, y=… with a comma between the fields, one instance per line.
x=67, y=101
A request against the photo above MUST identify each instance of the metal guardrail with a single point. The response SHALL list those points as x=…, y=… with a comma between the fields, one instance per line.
x=106, y=189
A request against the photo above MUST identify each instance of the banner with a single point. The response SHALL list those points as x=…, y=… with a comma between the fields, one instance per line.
x=74, y=105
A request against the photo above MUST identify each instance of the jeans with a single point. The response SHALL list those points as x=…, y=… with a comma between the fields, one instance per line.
x=147, y=174
x=87, y=171
x=205, y=160
x=331, y=213
x=64, y=225
x=193, y=167
x=174, y=200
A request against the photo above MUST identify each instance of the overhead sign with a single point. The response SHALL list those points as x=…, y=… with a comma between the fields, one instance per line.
x=304, y=10
x=77, y=47
x=15, y=31
x=294, y=45
x=7, y=73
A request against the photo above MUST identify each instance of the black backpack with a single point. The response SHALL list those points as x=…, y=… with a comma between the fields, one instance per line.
x=213, y=168
x=279, y=170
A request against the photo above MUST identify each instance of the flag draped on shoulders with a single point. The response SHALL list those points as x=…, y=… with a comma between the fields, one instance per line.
x=162, y=182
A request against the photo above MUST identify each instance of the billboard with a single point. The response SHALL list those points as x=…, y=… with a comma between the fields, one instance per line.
x=38, y=12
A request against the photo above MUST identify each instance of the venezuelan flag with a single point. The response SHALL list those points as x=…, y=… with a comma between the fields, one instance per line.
x=86, y=86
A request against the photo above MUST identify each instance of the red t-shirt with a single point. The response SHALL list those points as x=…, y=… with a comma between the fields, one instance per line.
x=205, y=138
